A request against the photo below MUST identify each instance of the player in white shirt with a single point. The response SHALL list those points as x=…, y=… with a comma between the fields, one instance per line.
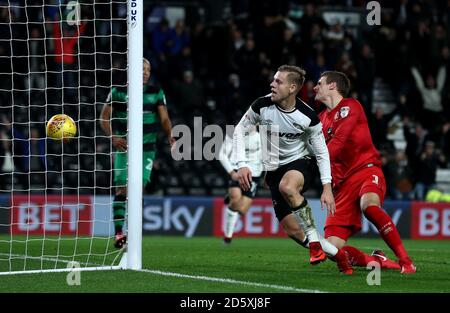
x=291, y=134
x=238, y=200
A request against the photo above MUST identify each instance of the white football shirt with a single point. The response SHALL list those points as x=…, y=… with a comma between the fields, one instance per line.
x=285, y=136
x=253, y=155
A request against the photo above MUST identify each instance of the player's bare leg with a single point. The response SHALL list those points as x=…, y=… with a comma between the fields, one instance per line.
x=371, y=206
x=290, y=188
x=238, y=205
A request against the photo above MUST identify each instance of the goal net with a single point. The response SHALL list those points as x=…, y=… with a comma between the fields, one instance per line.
x=56, y=197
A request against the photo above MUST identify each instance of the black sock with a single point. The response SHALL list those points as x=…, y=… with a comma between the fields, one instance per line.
x=302, y=205
x=119, y=212
x=303, y=243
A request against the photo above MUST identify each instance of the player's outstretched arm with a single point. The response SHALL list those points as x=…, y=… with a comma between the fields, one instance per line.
x=166, y=123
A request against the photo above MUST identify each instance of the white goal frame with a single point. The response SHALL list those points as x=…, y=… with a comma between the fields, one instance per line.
x=132, y=257
x=135, y=133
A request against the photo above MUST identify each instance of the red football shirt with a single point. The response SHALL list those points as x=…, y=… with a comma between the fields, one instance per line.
x=348, y=139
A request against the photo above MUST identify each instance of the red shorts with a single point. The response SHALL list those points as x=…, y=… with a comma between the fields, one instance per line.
x=343, y=232
x=348, y=196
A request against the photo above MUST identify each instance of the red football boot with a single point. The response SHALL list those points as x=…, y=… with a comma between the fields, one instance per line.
x=316, y=254
x=227, y=240
x=384, y=261
x=120, y=240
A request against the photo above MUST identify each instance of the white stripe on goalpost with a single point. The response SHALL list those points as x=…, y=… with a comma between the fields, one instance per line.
x=135, y=133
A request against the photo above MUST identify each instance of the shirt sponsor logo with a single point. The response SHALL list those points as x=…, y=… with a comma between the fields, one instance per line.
x=284, y=135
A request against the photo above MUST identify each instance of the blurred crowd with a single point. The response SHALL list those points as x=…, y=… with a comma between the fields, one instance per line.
x=229, y=63
x=220, y=57
x=58, y=59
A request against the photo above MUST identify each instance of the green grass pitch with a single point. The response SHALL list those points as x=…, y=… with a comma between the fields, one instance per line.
x=206, y=265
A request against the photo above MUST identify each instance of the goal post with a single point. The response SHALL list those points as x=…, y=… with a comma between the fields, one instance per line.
x=135, y=133
x=57, y=197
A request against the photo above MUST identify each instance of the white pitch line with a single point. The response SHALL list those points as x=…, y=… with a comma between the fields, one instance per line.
x=230, y=281
x=206, y=278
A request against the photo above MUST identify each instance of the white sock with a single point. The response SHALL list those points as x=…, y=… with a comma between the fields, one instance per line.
x=327, y=247
x=312, y=234
x=231, y=218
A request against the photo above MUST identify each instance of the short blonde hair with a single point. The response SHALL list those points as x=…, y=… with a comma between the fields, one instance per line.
x=295, y=74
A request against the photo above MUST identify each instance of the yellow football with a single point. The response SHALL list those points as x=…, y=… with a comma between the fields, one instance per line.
x=61, y=127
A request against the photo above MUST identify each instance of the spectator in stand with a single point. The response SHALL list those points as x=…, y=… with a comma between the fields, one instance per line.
x=65, y=38
x=231, y=100
x=181, y=63
x=439, y=39
x=163, y=46
x=407, y=108
x=36, y=79
x=365, y=68
x=163, y=39
x=248, y=65
x=428, y=163
x=5, y=55
x=399, y=176
x=334, y=42
x=420, y=37
x=6, y=164
x=289, y=47
x=19, y=151
x=316, y=67
x=238, y=38
x=431, y=91
x=181, y=39
x=347, y=66
x=189, y=95
x=37, y=160
x=378, y=125
x=311, y=17
x=416, y=136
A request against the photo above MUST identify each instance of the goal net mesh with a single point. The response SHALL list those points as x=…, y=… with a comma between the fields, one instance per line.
x=56, y=197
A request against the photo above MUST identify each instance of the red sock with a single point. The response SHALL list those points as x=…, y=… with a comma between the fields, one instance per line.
x=387, y=230
x=357, y=257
